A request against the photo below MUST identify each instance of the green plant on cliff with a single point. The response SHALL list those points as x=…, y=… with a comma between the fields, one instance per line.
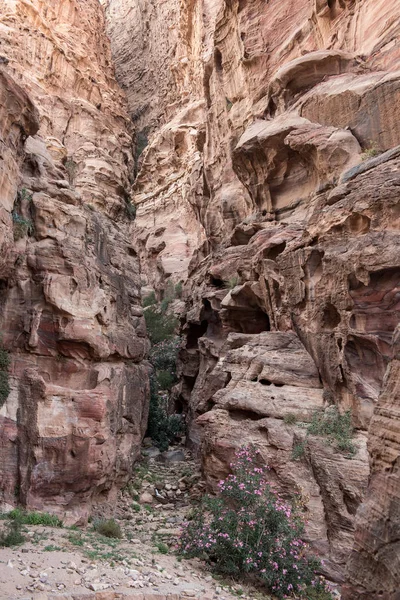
x=336, y=427
x=4, y=382
x=160, y=326
x=71, y=168
x=162, y=427
x=371, y=152
x=21, y=226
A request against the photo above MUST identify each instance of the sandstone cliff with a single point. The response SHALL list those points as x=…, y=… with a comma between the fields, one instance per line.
x=69, y=276
x=270, y=185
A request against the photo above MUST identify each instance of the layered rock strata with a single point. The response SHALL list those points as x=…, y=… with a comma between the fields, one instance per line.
x=270, y=185
x=70, y=315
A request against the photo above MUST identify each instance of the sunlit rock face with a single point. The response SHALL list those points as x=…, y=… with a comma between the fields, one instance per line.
x=69, y=277
x=270, y=185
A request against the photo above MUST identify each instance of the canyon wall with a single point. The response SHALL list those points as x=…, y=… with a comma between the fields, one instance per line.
x=270, y=186
x=70, y=314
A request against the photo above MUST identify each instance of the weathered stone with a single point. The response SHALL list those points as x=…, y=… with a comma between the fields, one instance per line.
x=70, y=306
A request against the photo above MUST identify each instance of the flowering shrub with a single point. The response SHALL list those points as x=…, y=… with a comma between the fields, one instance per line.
x=249, y=530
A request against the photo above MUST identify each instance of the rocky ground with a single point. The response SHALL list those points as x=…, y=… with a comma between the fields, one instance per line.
x=79, y=564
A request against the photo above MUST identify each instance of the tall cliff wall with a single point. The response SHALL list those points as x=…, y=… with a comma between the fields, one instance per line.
x=270, y=186
x=69, y=277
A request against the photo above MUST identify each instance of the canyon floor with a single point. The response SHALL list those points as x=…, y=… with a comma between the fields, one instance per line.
x=79, y=564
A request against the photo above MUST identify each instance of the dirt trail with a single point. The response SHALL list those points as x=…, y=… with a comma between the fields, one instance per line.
x=80, y=564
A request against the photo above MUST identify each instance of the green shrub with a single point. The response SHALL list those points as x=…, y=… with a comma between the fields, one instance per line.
x=164, y=354
x=232, y=282
x=290, y=419
x=336, y=427
x=71, y=168
x=371, y=151
x=12, y=535
x=34, y=518
x=149, y=300
x=249, y=531
x=178, y=289
x=159, y=325
x=162, y=548
x=298, y=450
x=130, y=209
x=165, y=380
x=22, y=226
x=109, y=528
x=162, y=427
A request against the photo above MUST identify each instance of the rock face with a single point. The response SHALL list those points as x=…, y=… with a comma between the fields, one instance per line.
x=270, y=185
x=69, y=277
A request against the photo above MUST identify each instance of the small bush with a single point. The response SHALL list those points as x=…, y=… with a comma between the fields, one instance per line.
x=109, y=528
x=249, y=531
x=22, y=226
x=163, y=355
x=162, y=548
x=159, y=325
x=165, y=380
x=162, y=427
x=34, y=518
x=298, y=450
x=130, y=209
x=232, y=282
x=336, y=427
x=149, y=300
x=290, y=419
x=178, y=289
x=12, y=535
x=371, y=152
x=71, y=168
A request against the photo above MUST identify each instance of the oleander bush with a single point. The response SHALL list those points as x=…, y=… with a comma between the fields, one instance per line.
x=249, y=531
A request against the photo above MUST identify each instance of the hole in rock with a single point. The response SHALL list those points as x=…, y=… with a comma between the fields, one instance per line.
x=358, y=223
x=277, y=293
x=268, y=382
x=246, y=320
x=195, y=332
x=271, y=109
x=218, y=60
x=330, y=317
x=216, y=282
x=243, y=415
x=272, y=253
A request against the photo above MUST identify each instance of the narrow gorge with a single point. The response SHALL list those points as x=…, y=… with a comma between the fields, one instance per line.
x=244, y=154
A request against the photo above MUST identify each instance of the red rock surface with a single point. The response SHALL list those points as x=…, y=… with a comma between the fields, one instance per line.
x=70, y=289
x=255, y=190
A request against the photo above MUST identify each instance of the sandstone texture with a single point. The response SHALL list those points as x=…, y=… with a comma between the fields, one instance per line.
x=270, y=186
x=70, y=312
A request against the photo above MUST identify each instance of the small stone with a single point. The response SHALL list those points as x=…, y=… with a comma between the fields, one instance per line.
x=146, y=498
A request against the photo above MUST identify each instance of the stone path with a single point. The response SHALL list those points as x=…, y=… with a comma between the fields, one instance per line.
x=79, y=564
